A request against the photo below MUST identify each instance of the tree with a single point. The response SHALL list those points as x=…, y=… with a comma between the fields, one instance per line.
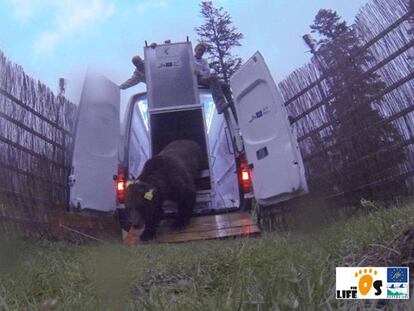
x=365, y=143
x=220, y=36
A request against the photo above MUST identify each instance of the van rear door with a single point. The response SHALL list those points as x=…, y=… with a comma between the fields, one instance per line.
x=271, y=149
x=95, y=153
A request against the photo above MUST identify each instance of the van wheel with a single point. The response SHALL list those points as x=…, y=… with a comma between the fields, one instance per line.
x=246, y=205
x=257, y=211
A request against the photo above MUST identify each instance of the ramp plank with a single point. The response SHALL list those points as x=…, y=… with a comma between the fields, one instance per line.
x=200, y=228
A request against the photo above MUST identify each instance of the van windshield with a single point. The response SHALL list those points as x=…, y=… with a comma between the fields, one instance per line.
x=206, y=99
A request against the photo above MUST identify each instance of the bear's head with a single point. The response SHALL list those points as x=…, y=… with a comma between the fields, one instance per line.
x=142, y=203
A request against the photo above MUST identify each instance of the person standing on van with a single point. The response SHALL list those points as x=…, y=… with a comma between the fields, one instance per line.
x=139, y=72
x=219, y=90
x=138, y=75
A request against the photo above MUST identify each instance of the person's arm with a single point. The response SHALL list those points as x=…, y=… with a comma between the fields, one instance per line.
x=136, y=78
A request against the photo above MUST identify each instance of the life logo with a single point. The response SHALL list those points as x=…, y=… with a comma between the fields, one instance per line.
x=372, y=283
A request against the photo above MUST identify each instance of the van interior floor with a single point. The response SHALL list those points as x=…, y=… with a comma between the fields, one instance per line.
x=200, y=228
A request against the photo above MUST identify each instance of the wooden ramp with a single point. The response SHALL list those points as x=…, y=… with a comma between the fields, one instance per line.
x=200, y=228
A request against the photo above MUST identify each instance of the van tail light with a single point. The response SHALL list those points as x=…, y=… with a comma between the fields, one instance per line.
x=120, y=184
x=245, y=177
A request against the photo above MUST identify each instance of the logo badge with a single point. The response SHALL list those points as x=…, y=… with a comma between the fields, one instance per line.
x=372, y=283
x=397, y=283
x=148, y=195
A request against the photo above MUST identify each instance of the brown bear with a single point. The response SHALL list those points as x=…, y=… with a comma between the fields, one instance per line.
x=169, y=175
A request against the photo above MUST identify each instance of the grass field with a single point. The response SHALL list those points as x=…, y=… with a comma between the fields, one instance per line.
x=289, y=270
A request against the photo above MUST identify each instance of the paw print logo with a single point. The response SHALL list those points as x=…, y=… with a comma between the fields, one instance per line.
x=366, y=279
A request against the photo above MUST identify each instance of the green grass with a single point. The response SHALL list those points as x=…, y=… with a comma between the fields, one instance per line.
x=290, y=270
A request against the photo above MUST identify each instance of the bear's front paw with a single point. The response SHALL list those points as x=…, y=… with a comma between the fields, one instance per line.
x=147, y=235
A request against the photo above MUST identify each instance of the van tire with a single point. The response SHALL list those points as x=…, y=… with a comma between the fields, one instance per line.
x=246, y=204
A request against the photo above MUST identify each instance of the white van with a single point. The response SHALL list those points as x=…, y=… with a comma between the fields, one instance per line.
x=258, y=157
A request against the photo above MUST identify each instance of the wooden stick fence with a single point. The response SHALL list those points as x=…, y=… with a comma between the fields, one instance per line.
x=35, y=137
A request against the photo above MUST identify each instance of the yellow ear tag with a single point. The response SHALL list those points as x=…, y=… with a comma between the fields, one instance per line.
x=148, y=195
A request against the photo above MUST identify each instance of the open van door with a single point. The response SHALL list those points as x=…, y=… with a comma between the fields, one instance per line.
x=95, y=152
x=271, y=149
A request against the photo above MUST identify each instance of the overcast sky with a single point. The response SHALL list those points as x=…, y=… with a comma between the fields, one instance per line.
x=61, y=38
